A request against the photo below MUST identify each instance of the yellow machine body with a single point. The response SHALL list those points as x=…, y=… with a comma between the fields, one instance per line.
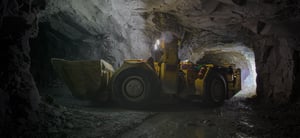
x=196, y=83
x=87, y=78
x=168, y=67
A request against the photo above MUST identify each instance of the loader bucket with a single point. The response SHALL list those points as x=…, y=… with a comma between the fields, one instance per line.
x=86, y=79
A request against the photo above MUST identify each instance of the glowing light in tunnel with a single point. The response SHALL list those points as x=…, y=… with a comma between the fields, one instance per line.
x=249, y=83
x=157, y=43
x=186, y=60
x=236, y=53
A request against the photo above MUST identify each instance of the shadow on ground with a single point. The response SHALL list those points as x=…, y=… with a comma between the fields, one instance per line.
x=238, y=117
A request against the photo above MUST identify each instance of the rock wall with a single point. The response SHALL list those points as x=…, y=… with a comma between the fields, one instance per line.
x=87, y=30
x=19, y=96
x=275, y=65
x=53, y=44
x=296, y=95
x=276, y=44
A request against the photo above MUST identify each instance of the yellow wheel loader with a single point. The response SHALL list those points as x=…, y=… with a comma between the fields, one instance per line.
x=137, y=83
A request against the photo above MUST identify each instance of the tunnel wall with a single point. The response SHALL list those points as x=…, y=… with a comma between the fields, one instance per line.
x=19, y=97
x=51, y=43
x=85, y=30
x=275, y=65
x=296, y=95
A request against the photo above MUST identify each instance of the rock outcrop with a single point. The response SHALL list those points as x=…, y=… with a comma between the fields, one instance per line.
x=19, y=96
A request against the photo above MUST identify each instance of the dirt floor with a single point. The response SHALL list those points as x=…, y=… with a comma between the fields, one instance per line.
x=237, y=118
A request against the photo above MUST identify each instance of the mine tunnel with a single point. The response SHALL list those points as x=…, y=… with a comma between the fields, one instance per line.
x=259, y=39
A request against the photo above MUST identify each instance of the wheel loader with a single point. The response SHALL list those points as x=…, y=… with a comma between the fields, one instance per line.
x=138, y=82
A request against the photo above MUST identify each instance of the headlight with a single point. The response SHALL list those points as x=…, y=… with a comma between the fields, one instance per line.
x=156, y=45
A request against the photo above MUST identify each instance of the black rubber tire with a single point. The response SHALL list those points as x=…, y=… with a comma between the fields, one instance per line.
x=142, y=83
x=215, y=89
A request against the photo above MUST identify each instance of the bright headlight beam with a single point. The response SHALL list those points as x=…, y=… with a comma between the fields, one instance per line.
x=156, y=44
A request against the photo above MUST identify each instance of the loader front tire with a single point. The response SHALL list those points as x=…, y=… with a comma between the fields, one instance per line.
x=215, y=89
x=135, y=88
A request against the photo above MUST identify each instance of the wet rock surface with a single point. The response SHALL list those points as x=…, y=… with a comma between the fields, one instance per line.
x=61, y=121
x=64, y=116
x=238, y=117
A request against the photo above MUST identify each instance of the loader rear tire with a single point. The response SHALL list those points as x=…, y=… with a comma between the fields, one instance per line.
x=135, y=88
x=215, y=89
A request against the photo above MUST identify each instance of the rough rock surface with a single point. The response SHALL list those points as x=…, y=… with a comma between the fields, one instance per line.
x=60, y=121
x=19, y=96
x=276, y=66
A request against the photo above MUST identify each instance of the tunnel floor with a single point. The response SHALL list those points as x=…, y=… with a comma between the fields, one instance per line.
x=238, y=117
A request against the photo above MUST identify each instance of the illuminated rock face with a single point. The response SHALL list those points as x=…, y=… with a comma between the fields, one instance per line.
x=116, y=30
x=97, y=29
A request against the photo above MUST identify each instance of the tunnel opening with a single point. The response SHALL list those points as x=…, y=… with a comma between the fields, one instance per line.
x=239, y=55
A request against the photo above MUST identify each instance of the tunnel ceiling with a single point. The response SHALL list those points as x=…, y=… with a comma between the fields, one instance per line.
x=128, y=29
